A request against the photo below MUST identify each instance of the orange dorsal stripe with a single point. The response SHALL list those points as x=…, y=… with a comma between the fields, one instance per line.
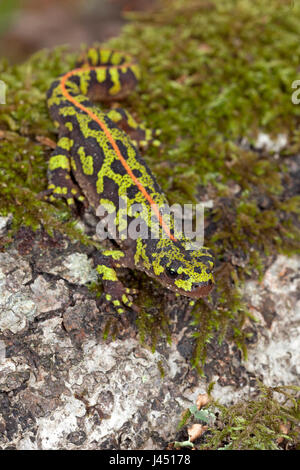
x=70, y=98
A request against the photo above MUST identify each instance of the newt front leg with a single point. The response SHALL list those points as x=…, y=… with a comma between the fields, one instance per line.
x=115, y=292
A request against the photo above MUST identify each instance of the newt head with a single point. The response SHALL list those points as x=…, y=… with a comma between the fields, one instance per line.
x=188, y=272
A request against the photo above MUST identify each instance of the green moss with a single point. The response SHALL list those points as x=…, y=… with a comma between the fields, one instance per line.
x=268, y=422
x=184, y=419
x=152, y=321
x=24, y=122
x=212, y=74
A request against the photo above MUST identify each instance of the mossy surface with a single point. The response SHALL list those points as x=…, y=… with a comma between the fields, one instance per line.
x=213, y=73
x=268, y=422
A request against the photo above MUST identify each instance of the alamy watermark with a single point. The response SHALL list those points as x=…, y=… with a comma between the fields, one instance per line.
x=133, y=221
x=2, y=92
x=296, y=94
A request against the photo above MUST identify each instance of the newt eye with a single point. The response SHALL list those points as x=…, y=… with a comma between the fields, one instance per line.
x=171, y=272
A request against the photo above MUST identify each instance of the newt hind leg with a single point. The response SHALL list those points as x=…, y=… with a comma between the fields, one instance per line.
x=61, y=185
x=138, y=132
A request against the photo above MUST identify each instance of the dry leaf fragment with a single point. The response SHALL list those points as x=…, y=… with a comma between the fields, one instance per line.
x=46, y=141
x=202, y=400
x=195, y=431
x=284, y=429
x=205, y=48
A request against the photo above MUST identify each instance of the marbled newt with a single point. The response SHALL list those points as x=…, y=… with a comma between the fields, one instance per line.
x=97, y=161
